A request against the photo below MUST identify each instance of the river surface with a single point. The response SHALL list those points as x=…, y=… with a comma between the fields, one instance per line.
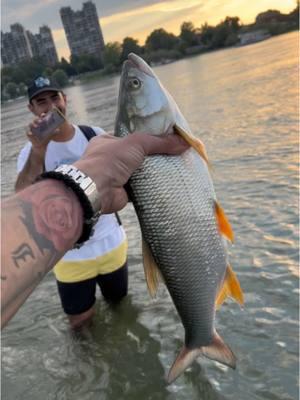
x=242, y=102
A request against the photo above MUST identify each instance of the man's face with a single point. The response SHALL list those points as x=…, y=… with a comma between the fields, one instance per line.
x=44, y=102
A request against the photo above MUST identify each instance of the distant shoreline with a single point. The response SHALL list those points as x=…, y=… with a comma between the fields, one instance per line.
x=101, y=75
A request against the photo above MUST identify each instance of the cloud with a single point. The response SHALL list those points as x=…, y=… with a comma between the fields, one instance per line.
x=133, y=22
x=33, y=14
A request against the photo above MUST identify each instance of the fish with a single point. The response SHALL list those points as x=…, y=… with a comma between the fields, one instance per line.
x=184, y=228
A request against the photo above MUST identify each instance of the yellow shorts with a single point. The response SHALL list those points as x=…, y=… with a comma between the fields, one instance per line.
x=80, y=270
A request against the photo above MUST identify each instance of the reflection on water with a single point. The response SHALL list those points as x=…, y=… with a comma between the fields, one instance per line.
x=242, y=102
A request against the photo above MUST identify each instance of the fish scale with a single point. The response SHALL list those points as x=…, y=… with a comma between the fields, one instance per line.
x=183, y=226
x=176, y=222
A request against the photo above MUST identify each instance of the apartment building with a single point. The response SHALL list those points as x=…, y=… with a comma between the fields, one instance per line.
x=83, y=30
x=42, y=45
x=20, y=45
x=15, y=46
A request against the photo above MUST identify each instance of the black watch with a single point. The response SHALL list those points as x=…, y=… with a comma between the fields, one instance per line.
x=86, y=191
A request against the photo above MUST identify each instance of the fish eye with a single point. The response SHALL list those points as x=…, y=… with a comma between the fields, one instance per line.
x=134, y=83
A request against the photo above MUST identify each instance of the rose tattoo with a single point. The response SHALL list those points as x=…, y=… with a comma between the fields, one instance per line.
x=55, y=216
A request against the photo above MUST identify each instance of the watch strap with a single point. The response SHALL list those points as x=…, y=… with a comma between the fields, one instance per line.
x=86, y=191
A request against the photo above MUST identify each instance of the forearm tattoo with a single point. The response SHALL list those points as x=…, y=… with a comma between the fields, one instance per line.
x=20, y=255
x=51, y=221
x=52, y=216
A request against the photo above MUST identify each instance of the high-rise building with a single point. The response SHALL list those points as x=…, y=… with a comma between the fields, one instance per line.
x=20, y=45
x=15, y=46
x=42, y=45
x=83, y=30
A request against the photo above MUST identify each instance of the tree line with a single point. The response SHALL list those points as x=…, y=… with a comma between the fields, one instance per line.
x=160, y=47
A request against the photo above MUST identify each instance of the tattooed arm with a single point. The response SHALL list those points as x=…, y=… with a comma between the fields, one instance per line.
x=42, y=222
x=38, y=226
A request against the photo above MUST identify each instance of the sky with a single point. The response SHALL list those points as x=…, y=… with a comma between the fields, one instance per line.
x=134, y=18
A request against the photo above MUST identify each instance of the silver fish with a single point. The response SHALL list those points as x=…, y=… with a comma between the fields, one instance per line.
x=182, y=224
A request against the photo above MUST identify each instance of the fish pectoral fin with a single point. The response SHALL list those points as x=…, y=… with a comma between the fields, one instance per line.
x=219, y=351
x=230, y=288
x=152, y=273
x=223, y=222
x=194, y=142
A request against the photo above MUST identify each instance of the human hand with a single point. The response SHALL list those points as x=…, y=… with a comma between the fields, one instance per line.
x=36, y=134
x=110, y=161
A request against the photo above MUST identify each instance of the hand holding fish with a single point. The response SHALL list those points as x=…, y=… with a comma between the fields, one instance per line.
x=110, y=161
x=48, y=212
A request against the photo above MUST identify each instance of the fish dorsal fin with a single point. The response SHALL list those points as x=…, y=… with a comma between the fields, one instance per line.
x=152, y=273
x=230, y=288
x=194, y=142
x=223, y=223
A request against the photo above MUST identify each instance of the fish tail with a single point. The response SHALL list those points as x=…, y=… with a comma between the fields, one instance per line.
x=217, y=351
x=184, y=359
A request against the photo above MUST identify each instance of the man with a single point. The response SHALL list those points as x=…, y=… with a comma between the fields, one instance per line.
x=43, y=221
x=102, y=259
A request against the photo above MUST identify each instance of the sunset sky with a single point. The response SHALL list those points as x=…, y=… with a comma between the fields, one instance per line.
x=135, y=18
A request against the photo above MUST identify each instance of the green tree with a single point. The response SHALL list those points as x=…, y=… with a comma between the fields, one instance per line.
x=160, y=39
x=11, y=89
x=207, y=33
x=67, y=67
x=85, y=63
x=29, y=70
x=233, y=24
x=130, y=45
x=225, y=32
x=60, y=77
x=188, y=34
x=112, y=54
x=94, y=62
x=220, y=36
x=22, y=89
x=6, y=75
x=48, y=71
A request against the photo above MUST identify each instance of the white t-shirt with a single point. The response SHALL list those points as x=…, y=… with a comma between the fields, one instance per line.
x=108, y=233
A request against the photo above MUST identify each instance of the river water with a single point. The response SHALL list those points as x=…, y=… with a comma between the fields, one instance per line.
x=242, y=102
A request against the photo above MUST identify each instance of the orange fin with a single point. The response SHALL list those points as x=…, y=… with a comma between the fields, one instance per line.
x=231, y=288
x=152, y=273
x=217, y=351
x=194, y=142
x=223, y=223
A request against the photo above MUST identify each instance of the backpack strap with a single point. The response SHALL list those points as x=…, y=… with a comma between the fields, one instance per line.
x=88, y=132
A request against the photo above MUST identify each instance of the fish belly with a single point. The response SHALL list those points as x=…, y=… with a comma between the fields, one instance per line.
x=174, y=201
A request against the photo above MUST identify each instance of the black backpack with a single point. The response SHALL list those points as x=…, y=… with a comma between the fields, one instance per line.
x=89, y=133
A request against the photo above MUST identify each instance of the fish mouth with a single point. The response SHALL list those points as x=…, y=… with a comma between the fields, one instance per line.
x=134, y=61
x=128, y=64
